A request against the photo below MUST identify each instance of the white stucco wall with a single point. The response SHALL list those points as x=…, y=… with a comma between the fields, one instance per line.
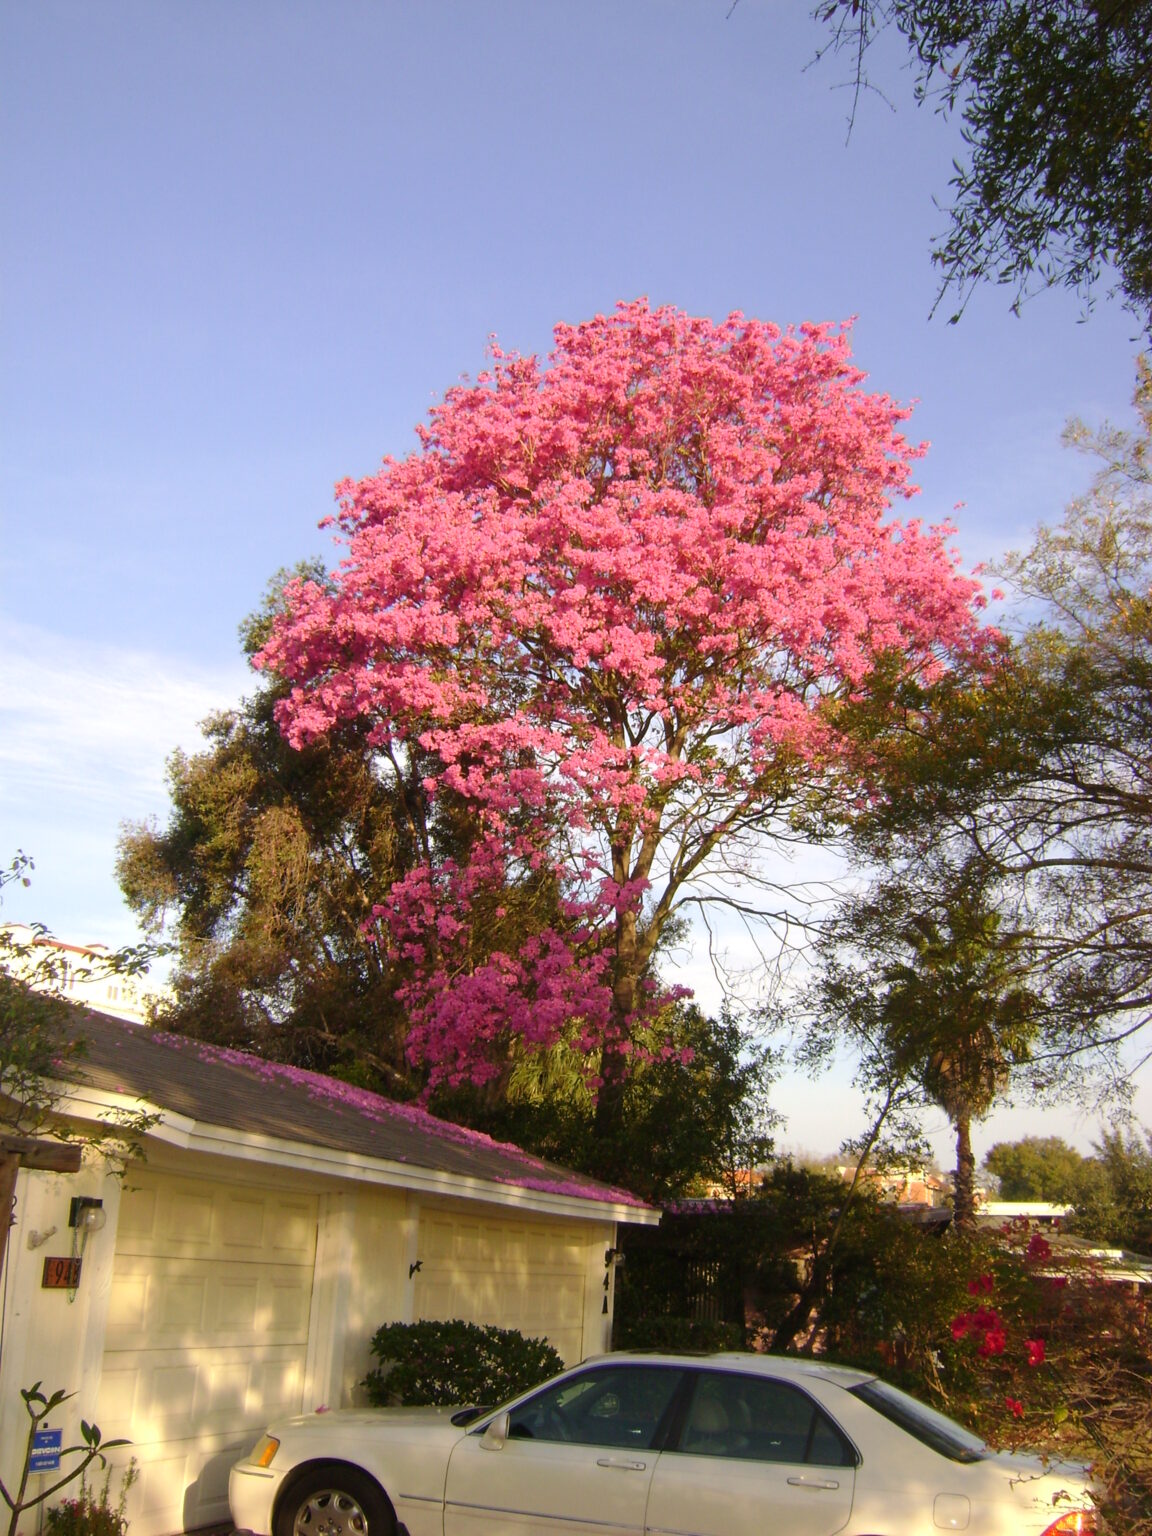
x=52, y=1336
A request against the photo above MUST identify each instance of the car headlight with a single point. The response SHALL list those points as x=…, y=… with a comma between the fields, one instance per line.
x=264, y=1450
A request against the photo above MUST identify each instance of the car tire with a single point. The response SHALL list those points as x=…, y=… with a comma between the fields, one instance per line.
x=331, y=1498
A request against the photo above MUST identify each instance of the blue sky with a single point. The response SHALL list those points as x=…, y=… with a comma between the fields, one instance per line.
x=244, y=245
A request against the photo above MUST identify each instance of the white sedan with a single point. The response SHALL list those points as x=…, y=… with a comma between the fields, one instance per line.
x=656, y=1445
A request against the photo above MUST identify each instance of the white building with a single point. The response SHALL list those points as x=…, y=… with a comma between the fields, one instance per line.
x=80, y=973
x=238, y=1273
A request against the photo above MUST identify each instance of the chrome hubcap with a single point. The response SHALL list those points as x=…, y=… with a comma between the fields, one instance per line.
x=330, y=1512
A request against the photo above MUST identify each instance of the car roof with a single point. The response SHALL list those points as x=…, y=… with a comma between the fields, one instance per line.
x=784, y=1367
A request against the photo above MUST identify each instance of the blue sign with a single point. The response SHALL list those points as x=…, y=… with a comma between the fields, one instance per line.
x=46, y=1447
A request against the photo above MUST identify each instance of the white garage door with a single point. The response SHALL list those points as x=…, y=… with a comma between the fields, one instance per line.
x=524, y=1275
x=207, y=1335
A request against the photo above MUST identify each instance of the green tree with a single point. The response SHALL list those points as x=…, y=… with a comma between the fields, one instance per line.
x=1033, y=768
x=695, y=1108
x=1037, y=1168
x=41, y=1038
x=922, y=981
x=264, y=876
x=1114, y=1201
x=1055, y=103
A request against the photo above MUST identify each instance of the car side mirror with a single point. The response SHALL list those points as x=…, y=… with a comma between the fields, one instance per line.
x=495, y=1433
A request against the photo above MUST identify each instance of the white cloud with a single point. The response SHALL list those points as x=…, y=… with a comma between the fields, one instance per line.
x=85, y=731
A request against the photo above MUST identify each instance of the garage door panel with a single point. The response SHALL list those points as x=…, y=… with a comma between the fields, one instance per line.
x=176, y=1301
x=206, y=1337
x=179, y=1489
x=167, y=1396
x=218, y=1221
x=512, y=1273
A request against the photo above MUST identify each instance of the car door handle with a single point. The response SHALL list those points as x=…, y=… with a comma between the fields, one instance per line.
x=621, y=1466
x=812, y=1482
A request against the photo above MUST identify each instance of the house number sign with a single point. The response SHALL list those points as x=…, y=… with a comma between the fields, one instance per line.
x=60, y=1275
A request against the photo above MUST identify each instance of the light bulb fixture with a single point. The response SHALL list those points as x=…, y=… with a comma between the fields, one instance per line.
x=86, y=1214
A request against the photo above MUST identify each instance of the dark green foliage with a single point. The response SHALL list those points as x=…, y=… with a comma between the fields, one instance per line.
x=705, y=1118
x=1114, y=1200
x=1037, y=1168
x=678, y=1335
x=920, y=979
x=455, y=1363
x=1055, y=99
x=1111, y=1191
x=765, y=1264
x=1026, y=780
x=265, y=874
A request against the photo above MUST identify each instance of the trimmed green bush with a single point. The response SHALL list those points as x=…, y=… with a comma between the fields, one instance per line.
x=455, y=1363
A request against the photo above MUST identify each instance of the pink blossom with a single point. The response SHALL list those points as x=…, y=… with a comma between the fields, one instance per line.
x=613, y=596
x=1035, y=1349
x=1015, y=1407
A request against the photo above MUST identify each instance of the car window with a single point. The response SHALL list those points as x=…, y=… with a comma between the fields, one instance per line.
x=920, y=1421
x=754, y=1418
x=620, y=1405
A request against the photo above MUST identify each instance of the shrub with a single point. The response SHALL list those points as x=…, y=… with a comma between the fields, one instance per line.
x=1023, y=1336
x=90, y=1513
x=455, y=1363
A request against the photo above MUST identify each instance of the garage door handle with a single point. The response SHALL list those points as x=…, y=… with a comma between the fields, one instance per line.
x=812, y=1482
x=621, y=1466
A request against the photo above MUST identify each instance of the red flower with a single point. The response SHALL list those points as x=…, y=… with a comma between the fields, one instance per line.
x=960, y=1326
x=981, y=1284
x=1039, y=1249
x=1035, y=1348
x=1015, y=1407
x=994, y=1341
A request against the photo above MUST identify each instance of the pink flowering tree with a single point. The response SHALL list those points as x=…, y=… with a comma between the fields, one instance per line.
x=612, y=603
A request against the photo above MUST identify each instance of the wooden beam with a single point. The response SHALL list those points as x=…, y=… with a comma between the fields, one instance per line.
x=18, y=1152
x=49, y=1156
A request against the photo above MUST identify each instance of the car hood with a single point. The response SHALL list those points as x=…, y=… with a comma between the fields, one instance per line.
x=368, y=1418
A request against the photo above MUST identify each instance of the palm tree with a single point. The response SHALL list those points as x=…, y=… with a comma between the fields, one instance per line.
x=931, y=991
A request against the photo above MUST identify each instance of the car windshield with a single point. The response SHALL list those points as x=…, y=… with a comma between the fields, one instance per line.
x=922, y=1422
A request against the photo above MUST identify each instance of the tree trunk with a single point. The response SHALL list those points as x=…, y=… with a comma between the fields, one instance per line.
x=964, y=1193
x=614, y=1064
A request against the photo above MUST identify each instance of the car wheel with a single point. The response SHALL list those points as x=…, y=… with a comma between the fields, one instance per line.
x=331, y=1499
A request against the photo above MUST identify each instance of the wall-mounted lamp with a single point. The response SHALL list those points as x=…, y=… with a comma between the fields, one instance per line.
x=86, y=1214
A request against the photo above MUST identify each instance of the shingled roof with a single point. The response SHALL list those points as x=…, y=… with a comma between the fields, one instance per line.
x=228, y=1089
